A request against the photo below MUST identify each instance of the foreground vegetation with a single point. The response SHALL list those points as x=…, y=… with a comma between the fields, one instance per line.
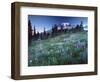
x=65, y=49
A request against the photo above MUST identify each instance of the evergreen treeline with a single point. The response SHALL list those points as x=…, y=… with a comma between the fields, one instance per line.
x=32, y=34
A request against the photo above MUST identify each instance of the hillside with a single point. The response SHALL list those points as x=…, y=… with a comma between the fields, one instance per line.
x=64, y=49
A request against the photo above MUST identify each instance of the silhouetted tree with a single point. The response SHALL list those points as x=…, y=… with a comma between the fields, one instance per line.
x=44, y=31
x=77, y=27
x=55, y=28
x=34, y=31
x=29, y=30
x=81, y=25
x=48, y=35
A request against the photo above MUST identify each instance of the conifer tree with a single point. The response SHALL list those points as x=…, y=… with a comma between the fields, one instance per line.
x=34, y=31
x=81, y=25
x=29, y=30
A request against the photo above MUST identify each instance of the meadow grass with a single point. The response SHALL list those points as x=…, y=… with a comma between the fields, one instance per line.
x=65, y=49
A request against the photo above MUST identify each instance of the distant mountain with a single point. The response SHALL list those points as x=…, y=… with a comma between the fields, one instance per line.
x=65, y=24
x=85, y=28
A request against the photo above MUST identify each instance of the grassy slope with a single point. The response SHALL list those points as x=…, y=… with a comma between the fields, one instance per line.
x=60, y=50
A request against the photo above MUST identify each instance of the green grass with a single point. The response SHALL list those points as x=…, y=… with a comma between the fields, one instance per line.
x=65, y=49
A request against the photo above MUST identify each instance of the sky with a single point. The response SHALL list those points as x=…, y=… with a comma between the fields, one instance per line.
x=40, y=22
